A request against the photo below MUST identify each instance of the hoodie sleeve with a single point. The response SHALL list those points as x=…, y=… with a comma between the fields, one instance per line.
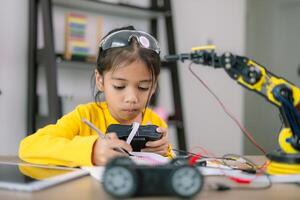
x=66, y=143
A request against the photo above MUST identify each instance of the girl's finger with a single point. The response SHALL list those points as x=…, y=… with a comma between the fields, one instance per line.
x=111, y=136
x=156, y=149
x=113, y=153
x=157, y=143
x=161, y=130
x=115, y=144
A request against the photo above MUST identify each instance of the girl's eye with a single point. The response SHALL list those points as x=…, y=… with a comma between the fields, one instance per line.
x=144, y=88
x=119, y=87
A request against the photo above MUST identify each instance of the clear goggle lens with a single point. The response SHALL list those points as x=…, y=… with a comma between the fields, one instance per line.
x=123, y=38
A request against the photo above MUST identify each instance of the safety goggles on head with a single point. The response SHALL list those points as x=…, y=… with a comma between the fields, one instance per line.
x=123, y=38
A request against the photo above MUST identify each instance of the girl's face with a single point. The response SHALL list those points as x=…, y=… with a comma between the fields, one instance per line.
x=126, y=91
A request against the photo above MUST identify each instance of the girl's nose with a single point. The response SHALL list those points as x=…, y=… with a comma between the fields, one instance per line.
x=131, y=97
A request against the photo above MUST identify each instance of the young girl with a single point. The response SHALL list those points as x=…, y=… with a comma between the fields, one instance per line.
x=128, y=66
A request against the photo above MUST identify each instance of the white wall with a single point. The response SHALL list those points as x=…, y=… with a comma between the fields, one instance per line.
x=198, y=22
x=13, y=73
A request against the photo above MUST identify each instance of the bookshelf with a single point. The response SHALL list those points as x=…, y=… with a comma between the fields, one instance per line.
x=48, y=58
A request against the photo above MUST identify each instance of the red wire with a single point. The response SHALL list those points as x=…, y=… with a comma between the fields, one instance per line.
x=203, y=150
x=193, y=159
x=244, y=130
x=240, y=180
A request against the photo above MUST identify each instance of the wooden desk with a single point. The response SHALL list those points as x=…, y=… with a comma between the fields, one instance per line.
x=87, y=188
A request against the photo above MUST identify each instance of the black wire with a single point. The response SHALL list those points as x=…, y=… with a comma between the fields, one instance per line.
x=253, y=168
x=188, y=153
x=235, y=157
x=249, y=162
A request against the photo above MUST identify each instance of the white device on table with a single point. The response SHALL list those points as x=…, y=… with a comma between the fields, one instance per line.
x=28, y=177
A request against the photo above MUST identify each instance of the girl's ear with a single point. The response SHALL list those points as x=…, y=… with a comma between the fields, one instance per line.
x=99, y=81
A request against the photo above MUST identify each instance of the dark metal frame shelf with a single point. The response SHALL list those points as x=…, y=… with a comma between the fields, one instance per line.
x=48, y=58
x=112, y=8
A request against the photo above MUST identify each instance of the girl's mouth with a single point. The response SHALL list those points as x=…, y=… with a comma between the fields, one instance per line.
x=130, y=110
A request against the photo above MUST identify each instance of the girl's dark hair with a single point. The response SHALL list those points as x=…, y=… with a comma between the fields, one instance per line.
x=110, y=59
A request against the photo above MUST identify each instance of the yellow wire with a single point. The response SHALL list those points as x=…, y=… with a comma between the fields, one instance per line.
x=205, y=47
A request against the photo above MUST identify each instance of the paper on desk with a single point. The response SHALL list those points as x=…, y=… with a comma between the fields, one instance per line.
x=148, y=158
x=140, y=158
x=209, y=171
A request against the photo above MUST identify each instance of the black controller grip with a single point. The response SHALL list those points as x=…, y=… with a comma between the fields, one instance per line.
x=143, y=135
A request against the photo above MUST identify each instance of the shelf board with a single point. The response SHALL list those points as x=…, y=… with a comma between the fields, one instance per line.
x=61, y=62
x=88, y=65
x=111, y=8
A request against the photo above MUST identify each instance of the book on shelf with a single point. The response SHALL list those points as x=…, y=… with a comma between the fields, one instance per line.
x=82, y=37
x=75, y=36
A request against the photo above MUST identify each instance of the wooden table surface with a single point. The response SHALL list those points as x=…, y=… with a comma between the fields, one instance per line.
x=87, y=188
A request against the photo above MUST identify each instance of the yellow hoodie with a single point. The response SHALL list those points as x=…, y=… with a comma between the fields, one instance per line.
x=70, y=142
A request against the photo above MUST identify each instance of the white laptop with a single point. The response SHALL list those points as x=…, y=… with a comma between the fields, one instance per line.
x=27, y=177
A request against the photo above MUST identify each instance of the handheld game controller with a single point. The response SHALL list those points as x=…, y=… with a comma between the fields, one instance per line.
x=144, y=134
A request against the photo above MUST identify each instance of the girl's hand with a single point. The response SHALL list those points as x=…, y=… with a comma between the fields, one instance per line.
x=106, y=149
x=159, y=146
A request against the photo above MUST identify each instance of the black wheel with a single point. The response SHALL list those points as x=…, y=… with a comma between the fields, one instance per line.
x=120, y=181
x=186, y=181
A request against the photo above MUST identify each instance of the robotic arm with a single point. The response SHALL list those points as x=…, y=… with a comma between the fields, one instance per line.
x=255, y=77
